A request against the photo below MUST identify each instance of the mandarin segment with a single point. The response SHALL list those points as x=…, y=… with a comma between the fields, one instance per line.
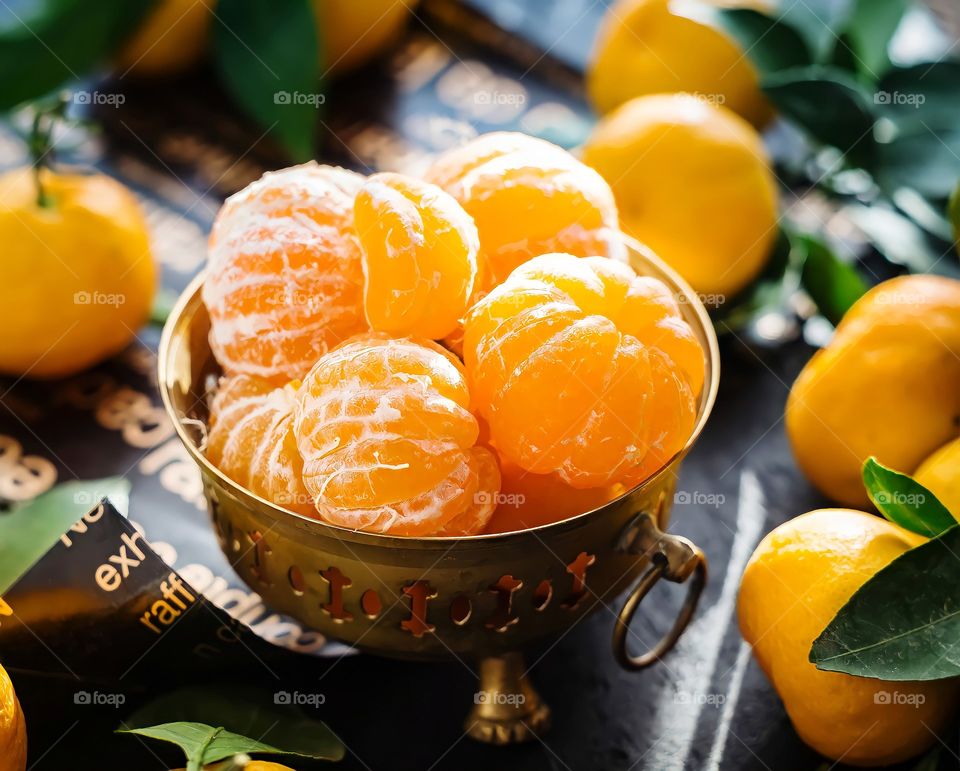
x=388, y=442
x=284, y=280
x=527, y=197
x=530, y=500
x=251, y=440
x=583, y=368
x=419, y=256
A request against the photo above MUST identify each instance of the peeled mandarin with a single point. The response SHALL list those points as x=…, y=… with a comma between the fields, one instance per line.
x=251, y=440
x=527, y=197
x=419, y=256
x=388, y=441
x=530, y=500
x=583, y=368
x=284, y=281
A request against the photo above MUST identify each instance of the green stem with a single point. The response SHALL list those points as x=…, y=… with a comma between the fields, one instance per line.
x=45, y=119
x=43, y=201
x=195, y=762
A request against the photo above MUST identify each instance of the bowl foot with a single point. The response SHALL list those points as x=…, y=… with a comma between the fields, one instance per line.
x=507, y=709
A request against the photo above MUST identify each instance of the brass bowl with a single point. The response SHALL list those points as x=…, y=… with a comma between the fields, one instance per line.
x=482, y=597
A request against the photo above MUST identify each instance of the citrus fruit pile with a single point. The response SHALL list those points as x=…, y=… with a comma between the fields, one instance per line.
x=442, y=358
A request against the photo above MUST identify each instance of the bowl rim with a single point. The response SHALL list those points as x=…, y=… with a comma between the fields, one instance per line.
x=708, y=396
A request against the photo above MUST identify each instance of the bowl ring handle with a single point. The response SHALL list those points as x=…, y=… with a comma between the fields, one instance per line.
x=674, y=558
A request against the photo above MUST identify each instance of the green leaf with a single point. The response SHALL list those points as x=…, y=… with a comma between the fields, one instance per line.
x=204, y=744
x=920, y=138
x=923, y=212
x=45, y=44
x=828, y=103
x=903, y=624
x=904, y=501
x=832, y=284
x=896, y=237
x=923, y=94
x=924, y=158
x=818, y=21
x=27, y=532
x=201, y=743
x=268, y=57
x=243, y=711
x=867, y=32
x=769, y=44
x=953, y=212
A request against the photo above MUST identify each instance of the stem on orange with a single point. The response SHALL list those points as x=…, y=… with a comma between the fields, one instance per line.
x=46, y=116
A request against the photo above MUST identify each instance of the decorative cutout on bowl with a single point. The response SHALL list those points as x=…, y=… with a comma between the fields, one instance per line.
x=338, y=582
x=578, y=569
x=420, y=593
x=503, y=616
